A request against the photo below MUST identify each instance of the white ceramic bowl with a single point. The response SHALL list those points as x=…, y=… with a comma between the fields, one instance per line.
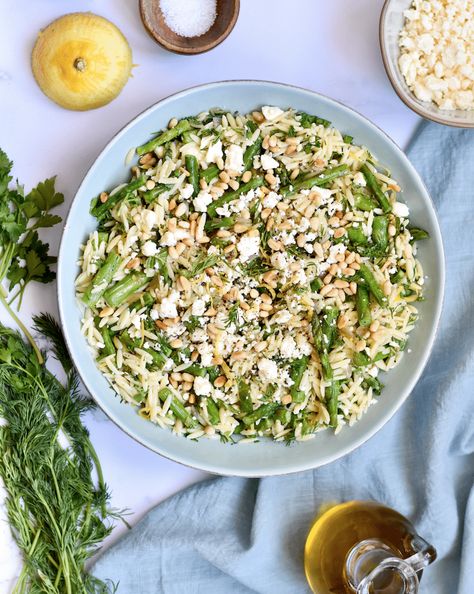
x=391, y=23
x=265, y=457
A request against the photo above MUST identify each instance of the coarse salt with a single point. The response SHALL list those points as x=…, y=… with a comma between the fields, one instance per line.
x=189, y=18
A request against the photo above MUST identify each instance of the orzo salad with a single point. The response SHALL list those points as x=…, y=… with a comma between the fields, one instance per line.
x=253, y=277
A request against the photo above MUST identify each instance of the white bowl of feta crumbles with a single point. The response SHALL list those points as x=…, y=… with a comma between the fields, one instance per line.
x=264, y=457
x=428, y=53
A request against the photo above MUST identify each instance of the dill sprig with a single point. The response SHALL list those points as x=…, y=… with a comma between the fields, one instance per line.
x=57, y=513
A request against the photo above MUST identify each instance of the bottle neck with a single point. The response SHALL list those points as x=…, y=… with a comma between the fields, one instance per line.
x=372, y=567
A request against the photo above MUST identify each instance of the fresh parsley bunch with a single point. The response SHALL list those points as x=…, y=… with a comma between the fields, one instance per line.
x=24, y=257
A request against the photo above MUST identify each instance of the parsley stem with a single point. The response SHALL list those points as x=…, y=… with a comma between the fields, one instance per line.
x=20, y=324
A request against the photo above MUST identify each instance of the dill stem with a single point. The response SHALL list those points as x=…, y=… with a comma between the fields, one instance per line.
x=20, y=324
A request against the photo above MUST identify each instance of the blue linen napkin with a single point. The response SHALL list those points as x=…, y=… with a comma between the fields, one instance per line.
x=242, y=536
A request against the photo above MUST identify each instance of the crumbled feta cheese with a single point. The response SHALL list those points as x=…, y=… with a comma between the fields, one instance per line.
x=149, y=220
x=271, y=200
x=187, y=191
x=288, y=348
x=199, y=335
x=224, y=211
x=154, y=313
x=168, y=305
x=282, y=317
x=149, y=248
x=214, y=152
x=437, y=45
x=271, y=113
x=248, y=247
x=359, y=179
x=202, y=201
x=206, y=351
x=279, y=260
x=268, y=162
x=324, y=194
x=198, y=307
x=267, y=369
x=400, y=210
x=202, y=386
x=303, y=345
x=234, y=158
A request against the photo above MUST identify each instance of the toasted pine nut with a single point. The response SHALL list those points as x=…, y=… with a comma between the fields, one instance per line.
x=245, y=306
x=241, y=227
x=103, y=197
x=234, y=184
x=172, y=123
x=193, y=357
x=270, y=178
x=187, y=377
x=217, y=281
x=374, y=326
x=294, y=174
x=176, y=343
x=180, y=209
x=342, y=321
x=266, y=307
x=133, y=263
x=287, y=399
x=173, y=253
x=258, y=116
x=341, y=284
x=224, y=176
x=265, y=297
x=274, y=245
x=238, y=355
x=220, y=381
x=210, y=312
x=107, y=311
x=246, y=176
x=186, y=387
x=326, y=290
x=360, y=345
x=339, y=232
x=387, y=288
x=355, y=265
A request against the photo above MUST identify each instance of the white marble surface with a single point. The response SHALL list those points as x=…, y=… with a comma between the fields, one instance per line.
x=331, y=47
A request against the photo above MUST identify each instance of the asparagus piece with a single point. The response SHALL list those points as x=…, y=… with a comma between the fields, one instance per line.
x=372, y=284
x=265, y=410
x=246, y=404
x=356, y=235
x=193, y=170
x=255, y=182
x=164, y=137
x=282, y=414
x=318, y=180
x=380, y=231
x=374, y=186
x=250, y=153
x=212, y=411
x=418, y=234
x=210, y=173
x=153, y=194
x=297, y=369
x=363, y=306
x=364, y=202
x=361, y=360
x=102, y=279
x=132, y=283
x=332, y=398
x=219, y=223
x=324, y=336
x=109, y=348
x=145, y=300
x=177, y=408
x=100, y=209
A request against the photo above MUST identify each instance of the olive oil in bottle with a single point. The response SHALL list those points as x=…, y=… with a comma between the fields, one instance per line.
x=364, y=547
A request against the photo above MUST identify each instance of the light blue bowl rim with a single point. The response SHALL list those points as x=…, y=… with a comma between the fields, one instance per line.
x=206, y=465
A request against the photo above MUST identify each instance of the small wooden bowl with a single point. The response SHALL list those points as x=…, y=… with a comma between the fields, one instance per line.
x=152, y=17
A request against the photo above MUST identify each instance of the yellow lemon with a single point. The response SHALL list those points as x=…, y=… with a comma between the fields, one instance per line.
x=81, y=61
